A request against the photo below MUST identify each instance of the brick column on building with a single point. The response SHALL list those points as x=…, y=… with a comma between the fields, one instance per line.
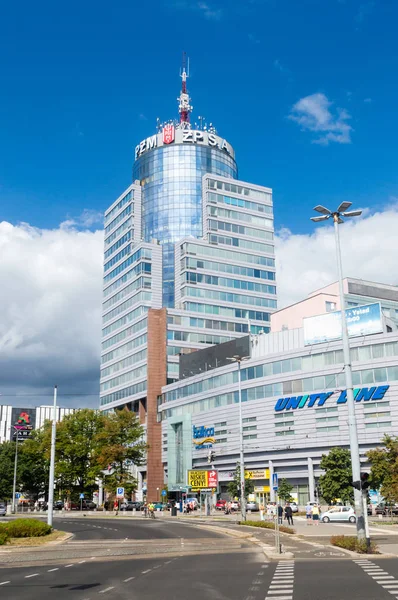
x=156, y=378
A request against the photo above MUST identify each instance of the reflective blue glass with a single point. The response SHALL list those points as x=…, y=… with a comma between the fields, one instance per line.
x=171, y=179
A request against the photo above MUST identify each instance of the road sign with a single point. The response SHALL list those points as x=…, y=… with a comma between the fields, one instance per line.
x=81, y=496
x=17, y=495
x=275, y=481
x=120, y=492
x=164, y=493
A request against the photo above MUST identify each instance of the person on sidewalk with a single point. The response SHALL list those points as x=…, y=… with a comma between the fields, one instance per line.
x=262, y=511
x=116, y=507
x=280, y=514
x=289, y=514
x=308, y=513
x=315, y=514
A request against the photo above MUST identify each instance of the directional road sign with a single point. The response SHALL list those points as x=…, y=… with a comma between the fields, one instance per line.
x=164, y=493
x=275, y=481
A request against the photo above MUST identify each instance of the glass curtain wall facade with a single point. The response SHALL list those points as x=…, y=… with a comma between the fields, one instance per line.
x=171, y=184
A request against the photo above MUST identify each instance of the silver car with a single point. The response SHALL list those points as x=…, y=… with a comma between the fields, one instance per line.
x=3, y=509
x=339, y=513
x=253, y=506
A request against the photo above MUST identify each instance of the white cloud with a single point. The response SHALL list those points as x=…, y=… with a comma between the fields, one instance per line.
x=368, y=100
x=313, y=113
x=211, y=13
x=50, y=308
x=307, y=262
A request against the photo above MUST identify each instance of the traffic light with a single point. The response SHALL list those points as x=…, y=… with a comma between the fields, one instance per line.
x=211, y=456
x=365, y=483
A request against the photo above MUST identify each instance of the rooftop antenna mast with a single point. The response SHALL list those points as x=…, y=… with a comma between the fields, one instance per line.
x=184, y=106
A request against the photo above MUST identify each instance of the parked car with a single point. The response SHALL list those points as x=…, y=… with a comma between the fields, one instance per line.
x=253, y=506
x=386, y=509
x=159, y=506
x=235, y=505
x=3, y=509
x=58, y=505
x=339, y=513
x=294, y=507
x=220, y=504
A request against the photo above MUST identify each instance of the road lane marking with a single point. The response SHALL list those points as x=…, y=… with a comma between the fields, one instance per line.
x=282, y=583
x=147, y=571
x=4, y=582
x=81, y=562
x=67, y=566
x=51, y=570
x=128, y=579
x=108, y=589
x=33, y=575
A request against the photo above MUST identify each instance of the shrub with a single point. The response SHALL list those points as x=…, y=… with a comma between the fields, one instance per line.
x=3, y=538
x=267, y=525
x=22, y=528
x=350, y=542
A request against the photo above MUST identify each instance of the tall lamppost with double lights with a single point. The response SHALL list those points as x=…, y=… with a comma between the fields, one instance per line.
x=239, y=359
x=325, y=214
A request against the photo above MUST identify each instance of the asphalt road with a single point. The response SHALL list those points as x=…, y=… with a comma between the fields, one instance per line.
x=236, y=576
x=134, y=529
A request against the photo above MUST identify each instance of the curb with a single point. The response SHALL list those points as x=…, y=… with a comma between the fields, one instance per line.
x=269, y=551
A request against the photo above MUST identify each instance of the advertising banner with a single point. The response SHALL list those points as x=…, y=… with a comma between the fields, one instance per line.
x=361, y=320
x=200, y=480
x=23, y=422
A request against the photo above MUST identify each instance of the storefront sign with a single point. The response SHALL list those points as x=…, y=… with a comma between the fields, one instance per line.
x=203, y=437
x=261, y=488
x=256, y=473
x=361, y=320
x=319, y=399
x=201, y=480
x=172, y=135
x=23, y=422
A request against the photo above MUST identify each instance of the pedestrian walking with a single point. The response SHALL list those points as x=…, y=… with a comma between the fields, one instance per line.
x=145, y=510
x=262, y=511
x=116, y=508
x=280, y=514
x=269, y=512
x=308, y=513
x=289, y=514
x=315, y=514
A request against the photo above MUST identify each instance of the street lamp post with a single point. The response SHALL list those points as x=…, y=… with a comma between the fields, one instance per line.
x=239, y=360
x=50, y=506
x=14, y=484
x=352, y=424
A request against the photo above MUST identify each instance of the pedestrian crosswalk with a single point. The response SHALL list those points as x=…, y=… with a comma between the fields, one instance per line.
x=281, y=586
x=387, y=581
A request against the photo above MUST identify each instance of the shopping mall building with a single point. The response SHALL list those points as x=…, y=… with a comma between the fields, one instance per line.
x=188, y=263
x=293, y=392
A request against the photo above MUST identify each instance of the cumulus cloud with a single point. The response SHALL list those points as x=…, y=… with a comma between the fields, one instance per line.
x=50, y=309
x=314, y=113
x=307, y=262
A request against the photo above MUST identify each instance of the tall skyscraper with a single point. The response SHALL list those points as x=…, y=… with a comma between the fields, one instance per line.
x=189, y=262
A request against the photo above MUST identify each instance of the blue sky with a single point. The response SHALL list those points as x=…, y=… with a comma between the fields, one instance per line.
x=82, y=83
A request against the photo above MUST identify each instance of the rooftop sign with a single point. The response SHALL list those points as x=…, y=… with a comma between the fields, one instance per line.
x=319, y=399
x=171, y=135
x=361, y=320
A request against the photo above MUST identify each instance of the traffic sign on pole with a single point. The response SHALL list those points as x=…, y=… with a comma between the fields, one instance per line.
x=81, y=496
x=120, y=492
x=164, y=493
x=275, y=482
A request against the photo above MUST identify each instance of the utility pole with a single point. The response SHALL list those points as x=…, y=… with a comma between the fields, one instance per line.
x=14, y=485
x=352, y=424
x=50, y=506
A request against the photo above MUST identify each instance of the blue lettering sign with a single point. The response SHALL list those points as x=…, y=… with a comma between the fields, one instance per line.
x=319, y=399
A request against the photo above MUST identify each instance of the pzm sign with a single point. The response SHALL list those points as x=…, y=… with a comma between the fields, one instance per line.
x=365, y=394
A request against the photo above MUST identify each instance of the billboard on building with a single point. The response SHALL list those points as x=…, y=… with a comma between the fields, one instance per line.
x=361, y=320
x=22, y=423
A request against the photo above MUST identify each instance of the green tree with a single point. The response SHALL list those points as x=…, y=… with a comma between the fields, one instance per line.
x=384, y=469
x=234, y=485
x=121, y=444
x=34, y=465
x=79, y=443
x=284, y=489
x=7, y=457
x=336, y=482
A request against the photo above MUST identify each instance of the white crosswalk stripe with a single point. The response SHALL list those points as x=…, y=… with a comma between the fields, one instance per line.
x=384, y=579
x=282, y=584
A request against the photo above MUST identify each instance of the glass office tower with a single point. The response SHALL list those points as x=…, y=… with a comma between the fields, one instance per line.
x=188, y=263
